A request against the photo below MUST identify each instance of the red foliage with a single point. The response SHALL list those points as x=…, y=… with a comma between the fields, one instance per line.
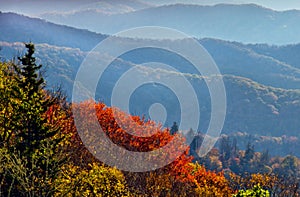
x=156, y=136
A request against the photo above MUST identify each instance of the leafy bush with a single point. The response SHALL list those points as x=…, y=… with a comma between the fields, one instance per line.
x=96, y=181
x=256, y=191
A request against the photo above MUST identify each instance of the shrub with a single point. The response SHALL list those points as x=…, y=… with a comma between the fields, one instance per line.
x=256, y=191
x=96, y=181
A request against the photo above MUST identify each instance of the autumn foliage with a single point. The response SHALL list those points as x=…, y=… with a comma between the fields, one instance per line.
x=179, y=178
x=69, y=147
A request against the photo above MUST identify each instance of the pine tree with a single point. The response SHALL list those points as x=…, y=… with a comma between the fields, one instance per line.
x=174, y=128
x=225, y=151
x=246, y=160
x=35, y=156
x=249, y=153
x=32, y=103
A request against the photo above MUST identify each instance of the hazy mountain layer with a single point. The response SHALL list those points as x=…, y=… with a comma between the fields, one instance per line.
x=243, y=23
x=270, y=65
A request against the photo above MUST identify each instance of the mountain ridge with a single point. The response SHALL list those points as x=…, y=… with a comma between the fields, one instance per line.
x=202, y=21
x=230, y=56
x=41, y=31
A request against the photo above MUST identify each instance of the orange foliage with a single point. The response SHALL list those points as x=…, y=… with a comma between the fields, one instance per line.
x=157, y=137
x=181, y=172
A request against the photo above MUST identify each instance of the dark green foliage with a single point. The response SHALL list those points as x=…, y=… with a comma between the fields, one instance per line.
x=174, y=128
x=225, y=151
x=29, y=70
x=31, y=104
x=249, y=153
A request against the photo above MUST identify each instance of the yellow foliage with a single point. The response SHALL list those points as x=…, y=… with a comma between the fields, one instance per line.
x=210, y=183
x=167, y=185
x=97, y=181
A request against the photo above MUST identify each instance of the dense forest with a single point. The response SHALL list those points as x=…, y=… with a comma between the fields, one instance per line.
x=41, y=153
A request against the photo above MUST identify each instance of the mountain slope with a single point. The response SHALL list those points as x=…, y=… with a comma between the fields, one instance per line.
x=243, y=23
x=266, y=68
x=251, y=107
x=18, y=28
x=288, y=54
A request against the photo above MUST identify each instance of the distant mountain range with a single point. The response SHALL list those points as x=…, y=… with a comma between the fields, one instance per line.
x=262, y=81
x=34, y=8
x=246, y=23
x=269, y=65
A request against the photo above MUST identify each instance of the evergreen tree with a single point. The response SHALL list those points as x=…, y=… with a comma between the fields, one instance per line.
x=225, y=151
x=264, y=158
x=249, y=153
x=234, y=148
x=246, y=160
x=174, y=128
x=33, y=160
x=32, y=103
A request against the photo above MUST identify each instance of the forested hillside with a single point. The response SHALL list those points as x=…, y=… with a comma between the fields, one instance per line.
x=251, y=107
x=212, y=110
x=41, y=153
